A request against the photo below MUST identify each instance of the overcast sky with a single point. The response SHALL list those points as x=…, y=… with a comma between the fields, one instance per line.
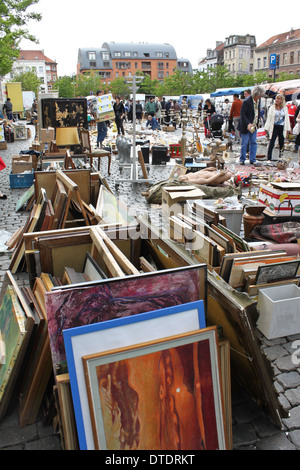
x=190, y=26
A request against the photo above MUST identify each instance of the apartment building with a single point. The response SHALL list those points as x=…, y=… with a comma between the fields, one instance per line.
x=45, y=68
x=239, y=54
x=114, y=60
x=286, y=46
x=213, y=58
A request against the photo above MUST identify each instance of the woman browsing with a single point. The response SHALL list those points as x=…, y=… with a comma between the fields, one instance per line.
x=278, y=124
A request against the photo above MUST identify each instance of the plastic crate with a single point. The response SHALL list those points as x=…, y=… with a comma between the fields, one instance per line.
x=21, y=180
x=175, y=150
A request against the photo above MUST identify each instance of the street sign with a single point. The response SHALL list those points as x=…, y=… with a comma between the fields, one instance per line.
x=272, y=61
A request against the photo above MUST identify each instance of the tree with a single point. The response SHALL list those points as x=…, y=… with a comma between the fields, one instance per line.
x=13, y=21
x=87, y=84
x=66, y=86
x=29, y=80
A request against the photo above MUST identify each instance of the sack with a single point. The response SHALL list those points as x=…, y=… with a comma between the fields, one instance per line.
x=296, y=129
x=261, y=133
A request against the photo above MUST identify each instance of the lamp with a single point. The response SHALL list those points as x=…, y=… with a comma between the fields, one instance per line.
x=66, y=136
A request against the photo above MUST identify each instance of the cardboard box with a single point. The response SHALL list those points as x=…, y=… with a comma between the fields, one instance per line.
x=281, y=199
x=175, y=197
x=21, y=163
x=279, y=311
x=46, y=135
x=3, y=145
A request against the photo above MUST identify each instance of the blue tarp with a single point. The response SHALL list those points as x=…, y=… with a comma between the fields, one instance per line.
x=229, y=91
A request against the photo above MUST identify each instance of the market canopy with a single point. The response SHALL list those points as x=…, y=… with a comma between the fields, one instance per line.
x=290, y=88
x=229, y=91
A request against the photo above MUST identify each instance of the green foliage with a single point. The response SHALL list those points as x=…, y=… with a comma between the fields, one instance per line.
x=283, y=76
x=66, y=86
x=87, y=84
x=13, y=21
x=29, y=80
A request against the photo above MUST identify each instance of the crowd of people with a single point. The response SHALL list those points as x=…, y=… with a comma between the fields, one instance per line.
x=245, y=115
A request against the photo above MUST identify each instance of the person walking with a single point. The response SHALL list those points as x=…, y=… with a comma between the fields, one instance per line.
x=297, y=141
x=277, y=124
x=150, y=106
x=119, y=115
x=8, y=110
x=101, y=125
x=234, y=115
x=139, y=111
x=248, y=123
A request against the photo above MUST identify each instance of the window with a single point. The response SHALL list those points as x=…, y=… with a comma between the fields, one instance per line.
x=106, y=64
x=258, y=63
x=92, y=56
x=160, y=75
x=146, y=54
x=117, y=54
x=265, y=62
x=127, y=54
x=251, y=68
x=240, y=66
x=160, y=65
x=284, y=58
x=92, y=64
x=159, y=54
x=240, y=53
x=53, y=67
x=105, y=56
x=292, y=55
x=135, y=54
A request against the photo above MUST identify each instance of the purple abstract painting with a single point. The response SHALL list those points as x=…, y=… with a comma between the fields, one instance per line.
x=115, y=298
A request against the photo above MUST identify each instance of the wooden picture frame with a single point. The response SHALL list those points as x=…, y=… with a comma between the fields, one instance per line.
x=177, y=171
x=120, y=332
x=20, y=133
x=276, y=272
x=192, y=394
x=92, y=269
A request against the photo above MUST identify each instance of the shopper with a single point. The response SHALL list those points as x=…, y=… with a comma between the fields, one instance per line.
x=209, y=109
x=139, y=111
x=277, y=124
x=101, y=125
x=152, y=122
x=119, y=115
x=150, y=107
x=297, y=141
x=8, y=109
x=234, y=115
x=248, y=124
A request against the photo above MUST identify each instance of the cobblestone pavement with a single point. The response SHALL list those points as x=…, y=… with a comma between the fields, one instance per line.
x=252, y=429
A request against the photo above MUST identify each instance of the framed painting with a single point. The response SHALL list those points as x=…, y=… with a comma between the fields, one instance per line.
x=20, y=133
x=121, y=332
x=276, y=272
x=177, y=171
x=107, y=299
x=111, y=209
x=162, y=394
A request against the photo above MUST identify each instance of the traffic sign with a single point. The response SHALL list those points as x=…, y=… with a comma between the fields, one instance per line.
x=273, y=60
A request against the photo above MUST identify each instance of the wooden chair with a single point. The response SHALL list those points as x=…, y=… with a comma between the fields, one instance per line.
x=93, y=153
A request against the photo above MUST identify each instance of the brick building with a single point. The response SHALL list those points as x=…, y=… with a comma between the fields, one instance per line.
x=286, y=46
x=120, y=60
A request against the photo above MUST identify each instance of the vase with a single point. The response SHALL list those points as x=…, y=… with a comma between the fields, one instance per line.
x=253, y=216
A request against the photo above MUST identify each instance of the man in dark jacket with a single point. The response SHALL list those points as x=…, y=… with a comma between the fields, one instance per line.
x=248, y=123
x=8, y=109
